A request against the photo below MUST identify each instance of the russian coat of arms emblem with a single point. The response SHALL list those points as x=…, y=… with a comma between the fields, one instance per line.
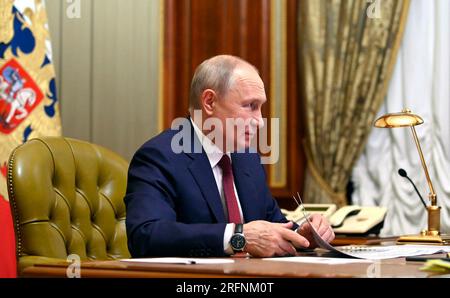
x=19, y=95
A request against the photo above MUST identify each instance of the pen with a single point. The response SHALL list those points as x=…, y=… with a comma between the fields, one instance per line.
x=424, y=259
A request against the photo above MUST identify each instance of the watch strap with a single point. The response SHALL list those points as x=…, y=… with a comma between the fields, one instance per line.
x=238, y=228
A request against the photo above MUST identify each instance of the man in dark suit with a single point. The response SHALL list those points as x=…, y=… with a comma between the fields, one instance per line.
x=196, y=190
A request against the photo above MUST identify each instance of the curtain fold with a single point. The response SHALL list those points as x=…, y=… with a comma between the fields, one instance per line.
x=347, y=51
x=420, y=82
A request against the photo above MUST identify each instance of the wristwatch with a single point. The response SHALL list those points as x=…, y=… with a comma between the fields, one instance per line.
x=237, y=241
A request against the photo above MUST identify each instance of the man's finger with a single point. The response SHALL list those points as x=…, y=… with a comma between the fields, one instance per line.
x=322, y=229
x=295, y=238
x=287, y=248
x=331, y=237
x=287, y=225
x=327, y=235
x=317, y=221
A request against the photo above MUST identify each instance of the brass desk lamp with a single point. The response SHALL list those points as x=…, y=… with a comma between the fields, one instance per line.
x=432, y=235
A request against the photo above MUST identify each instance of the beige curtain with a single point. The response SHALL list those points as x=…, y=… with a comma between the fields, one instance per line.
x=347, y=51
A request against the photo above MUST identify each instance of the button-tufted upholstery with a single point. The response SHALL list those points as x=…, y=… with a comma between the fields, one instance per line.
x=66, y=197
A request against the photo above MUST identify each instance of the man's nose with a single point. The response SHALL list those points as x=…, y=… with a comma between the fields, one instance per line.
x=258, y=122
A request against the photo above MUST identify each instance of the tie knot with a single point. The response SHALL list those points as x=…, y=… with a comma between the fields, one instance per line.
x=225, y=163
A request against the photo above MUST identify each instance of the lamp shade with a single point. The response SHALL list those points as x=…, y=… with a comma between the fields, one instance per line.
x=402, y=119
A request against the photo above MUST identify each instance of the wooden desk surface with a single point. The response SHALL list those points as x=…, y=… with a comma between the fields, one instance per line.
x=242, y=267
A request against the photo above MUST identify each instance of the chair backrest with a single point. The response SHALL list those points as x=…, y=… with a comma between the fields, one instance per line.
x=66, y=197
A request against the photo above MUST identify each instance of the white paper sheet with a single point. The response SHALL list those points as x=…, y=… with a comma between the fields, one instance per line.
x=319, y=260
x=380, y=252
x=375, y=252
x=187, y=261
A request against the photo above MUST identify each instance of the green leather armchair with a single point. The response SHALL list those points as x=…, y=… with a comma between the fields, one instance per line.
x=66, y=198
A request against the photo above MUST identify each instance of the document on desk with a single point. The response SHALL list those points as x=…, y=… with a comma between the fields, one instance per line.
x=187, y=261
x=319, y=260
x=391, y=251
x=376, y=252
x=379, y=252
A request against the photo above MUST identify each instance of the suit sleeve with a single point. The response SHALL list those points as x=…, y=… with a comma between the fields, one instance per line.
x=151, y=220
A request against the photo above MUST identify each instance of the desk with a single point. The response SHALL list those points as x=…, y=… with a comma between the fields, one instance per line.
x=241, y=268
x=244, y=267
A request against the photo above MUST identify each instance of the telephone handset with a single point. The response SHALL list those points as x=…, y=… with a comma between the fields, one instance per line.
x=339, y=217
x=297, y=215
x=351, y=220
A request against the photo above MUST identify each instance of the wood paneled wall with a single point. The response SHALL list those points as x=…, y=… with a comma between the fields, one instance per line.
x=198, y=29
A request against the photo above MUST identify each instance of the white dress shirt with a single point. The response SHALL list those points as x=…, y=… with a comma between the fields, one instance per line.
x=214, y=155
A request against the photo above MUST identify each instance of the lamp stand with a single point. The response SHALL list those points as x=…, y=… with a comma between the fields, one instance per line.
x=424, y=239
x=432, y=235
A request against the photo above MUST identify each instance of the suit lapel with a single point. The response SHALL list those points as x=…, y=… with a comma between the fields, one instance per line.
x=245, y=188
x=200, y=169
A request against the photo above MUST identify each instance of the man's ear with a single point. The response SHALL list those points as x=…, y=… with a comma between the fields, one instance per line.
x=208, y=99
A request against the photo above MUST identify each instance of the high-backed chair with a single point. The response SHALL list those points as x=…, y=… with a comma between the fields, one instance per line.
x=66, y=198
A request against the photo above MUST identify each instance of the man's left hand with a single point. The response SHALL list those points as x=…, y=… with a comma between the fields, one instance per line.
x=322, y=227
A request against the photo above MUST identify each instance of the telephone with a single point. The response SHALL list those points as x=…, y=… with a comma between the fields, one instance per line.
x=350, y=220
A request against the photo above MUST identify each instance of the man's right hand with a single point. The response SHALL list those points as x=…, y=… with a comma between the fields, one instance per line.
x=266, y=239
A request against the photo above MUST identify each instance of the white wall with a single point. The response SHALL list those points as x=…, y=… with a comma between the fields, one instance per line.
x=108, y=65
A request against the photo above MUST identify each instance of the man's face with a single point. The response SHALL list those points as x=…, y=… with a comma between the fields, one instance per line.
x=241, y=105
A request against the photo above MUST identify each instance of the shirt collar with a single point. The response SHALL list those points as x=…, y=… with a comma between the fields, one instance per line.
x=212, y=151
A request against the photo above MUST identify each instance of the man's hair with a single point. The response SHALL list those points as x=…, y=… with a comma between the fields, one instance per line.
x=215, y=73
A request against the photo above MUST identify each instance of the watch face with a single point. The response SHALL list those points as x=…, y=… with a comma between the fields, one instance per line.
x=237, y=241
